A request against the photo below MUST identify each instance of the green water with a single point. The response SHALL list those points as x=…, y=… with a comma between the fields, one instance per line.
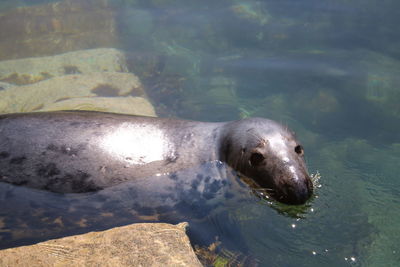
x=328, y=69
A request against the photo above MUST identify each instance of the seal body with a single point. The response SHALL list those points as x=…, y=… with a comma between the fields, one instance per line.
x=76, y=151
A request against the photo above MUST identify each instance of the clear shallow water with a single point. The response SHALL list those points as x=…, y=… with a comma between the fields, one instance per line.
x=329, y=71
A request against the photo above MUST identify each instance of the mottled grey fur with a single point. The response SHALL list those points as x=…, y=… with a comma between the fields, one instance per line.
x=73, y=152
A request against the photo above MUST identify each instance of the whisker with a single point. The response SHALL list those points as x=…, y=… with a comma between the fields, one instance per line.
x=315, y=178
x=264, y=193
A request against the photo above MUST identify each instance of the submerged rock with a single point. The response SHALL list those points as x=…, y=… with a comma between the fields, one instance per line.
x=38, y=95
x=4, y=86
x=382, y=82
x=124, y=105
x=31, y=70
x=94, y=79
x=144, y=244
x=58, y=27
x=251, y=11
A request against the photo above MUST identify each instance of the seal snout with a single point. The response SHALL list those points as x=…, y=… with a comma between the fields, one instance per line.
x=295, y=193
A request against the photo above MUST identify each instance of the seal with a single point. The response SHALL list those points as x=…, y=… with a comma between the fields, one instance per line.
x=84, y=151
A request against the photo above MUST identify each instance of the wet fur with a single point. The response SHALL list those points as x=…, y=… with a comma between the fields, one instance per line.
x=62, y=151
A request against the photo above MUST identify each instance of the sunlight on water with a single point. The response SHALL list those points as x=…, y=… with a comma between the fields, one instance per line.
x=315, y=177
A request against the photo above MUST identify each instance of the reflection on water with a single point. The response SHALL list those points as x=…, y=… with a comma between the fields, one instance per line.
x=328, y=70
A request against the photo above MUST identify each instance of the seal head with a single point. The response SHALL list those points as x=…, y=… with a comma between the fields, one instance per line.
x=269, y=154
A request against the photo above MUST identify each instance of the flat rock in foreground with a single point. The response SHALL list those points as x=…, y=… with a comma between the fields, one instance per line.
x=144, y=244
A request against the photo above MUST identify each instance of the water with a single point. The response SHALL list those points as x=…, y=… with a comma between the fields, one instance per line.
x=329, y=70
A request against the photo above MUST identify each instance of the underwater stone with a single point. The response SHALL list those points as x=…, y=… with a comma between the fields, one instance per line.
x=36, y=96
x=124, y=105
x=382, y=82
x=58, y=27
x=252, y=12
x=31, y=70
x=316, y=105
x=137, y=23
x=4, y=86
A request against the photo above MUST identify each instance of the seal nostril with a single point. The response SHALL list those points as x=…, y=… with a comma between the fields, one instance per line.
x=295, y=194
x=299, y=150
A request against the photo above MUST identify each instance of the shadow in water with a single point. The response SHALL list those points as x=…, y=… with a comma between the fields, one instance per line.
x=201, y=196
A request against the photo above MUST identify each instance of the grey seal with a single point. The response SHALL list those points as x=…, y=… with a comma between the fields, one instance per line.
x=82, y=151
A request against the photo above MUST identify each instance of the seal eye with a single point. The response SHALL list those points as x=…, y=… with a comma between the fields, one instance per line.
x=256, y=159
x=299, y=150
